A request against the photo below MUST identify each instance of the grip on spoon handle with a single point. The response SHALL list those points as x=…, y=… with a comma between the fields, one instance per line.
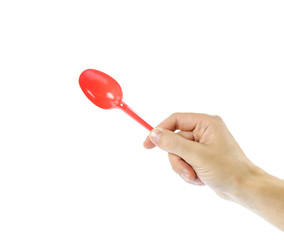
x=135, y=116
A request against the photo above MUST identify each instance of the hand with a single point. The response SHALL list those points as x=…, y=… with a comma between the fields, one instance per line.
x=202, y=152
x=205, y=152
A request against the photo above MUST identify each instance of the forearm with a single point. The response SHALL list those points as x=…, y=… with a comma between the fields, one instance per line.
x=264, y=195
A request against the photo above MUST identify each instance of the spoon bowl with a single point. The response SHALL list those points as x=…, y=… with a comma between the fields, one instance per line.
x=105, y=92
x=101, y=89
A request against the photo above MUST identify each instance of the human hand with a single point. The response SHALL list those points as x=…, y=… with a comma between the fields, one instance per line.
x=202, y=152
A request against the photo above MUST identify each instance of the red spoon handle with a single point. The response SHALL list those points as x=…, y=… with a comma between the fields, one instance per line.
x=132, y=114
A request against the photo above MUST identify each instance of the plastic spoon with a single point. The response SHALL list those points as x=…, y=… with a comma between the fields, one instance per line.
x=106, y=93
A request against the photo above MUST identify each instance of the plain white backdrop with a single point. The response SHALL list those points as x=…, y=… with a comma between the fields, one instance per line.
x=69, y=170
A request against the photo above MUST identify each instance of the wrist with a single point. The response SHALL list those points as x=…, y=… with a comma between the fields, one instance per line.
x=246, y=186
x=263, y=194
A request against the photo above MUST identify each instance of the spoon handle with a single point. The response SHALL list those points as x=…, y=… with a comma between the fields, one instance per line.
x=123, y=106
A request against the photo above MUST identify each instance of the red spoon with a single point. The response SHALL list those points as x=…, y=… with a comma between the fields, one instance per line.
x=106, y=93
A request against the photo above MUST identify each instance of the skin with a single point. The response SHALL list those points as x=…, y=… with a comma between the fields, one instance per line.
x=203, y=152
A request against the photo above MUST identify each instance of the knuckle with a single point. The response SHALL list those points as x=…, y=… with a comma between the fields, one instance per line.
x=217, y=118
x=173, y=115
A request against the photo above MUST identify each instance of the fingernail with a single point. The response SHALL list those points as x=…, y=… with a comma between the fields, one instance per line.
x=197, y=181
x=155, y=135
x=186, y=177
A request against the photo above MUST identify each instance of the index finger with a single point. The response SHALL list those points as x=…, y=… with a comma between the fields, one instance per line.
x=178, y=121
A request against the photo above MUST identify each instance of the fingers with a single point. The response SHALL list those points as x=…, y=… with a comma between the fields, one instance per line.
x=181, y=121
x=188, y=135
x=148, y=144
x=183, y=169
x=174, y=143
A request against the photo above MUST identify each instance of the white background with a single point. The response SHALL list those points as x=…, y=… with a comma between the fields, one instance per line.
x=69, y=170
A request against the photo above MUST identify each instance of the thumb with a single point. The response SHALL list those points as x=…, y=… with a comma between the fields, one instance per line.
x=173, y=143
